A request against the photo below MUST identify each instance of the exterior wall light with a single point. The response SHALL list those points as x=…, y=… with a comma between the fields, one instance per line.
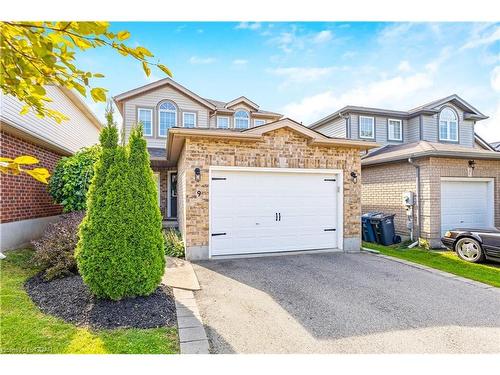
x=354, y=177
x=470, y=167
x=197, y=174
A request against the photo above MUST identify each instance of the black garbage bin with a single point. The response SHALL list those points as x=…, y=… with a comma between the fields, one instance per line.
x=384, y=229
x=368, y=230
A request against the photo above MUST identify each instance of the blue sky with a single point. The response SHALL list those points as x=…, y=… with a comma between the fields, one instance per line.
x=307, y=70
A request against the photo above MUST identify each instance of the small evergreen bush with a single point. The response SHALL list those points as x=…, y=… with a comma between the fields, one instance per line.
x=174, y=246
x=121, y=250
x=70, y=181
x=54, y=251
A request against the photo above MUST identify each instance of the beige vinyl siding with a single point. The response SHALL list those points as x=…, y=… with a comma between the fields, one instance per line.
x=151, y=99
x=411, y=132
x=243, y=106
x=71, y=135
x=336, y=128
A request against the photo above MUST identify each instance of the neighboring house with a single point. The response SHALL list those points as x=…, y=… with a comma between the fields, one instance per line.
x=496, y=145
x=27, y=207
x=432, y=151
x=242, y=180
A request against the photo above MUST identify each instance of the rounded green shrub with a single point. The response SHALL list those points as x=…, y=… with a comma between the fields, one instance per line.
x=120, y=252
x=71, y=178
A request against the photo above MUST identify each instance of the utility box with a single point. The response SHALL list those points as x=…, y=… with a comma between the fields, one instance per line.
x=408, y=198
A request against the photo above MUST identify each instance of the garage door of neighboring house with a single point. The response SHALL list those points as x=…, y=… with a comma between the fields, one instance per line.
x=261, y=210
x=466, y=203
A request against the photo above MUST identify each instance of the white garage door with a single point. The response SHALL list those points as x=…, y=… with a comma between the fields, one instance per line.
x=466, y=203
x=269, y=211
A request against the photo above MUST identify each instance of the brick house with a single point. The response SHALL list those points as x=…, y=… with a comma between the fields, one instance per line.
x=431, y=151
x=237, y=179
x=26, y=206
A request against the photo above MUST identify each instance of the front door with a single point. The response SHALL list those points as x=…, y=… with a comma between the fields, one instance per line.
x=172, y=195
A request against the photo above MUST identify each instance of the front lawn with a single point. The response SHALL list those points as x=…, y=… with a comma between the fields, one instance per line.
x=25, y=329
x=446, y=261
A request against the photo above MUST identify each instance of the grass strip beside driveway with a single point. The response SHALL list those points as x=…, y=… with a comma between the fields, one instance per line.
x=446, y=261
x=25, y=329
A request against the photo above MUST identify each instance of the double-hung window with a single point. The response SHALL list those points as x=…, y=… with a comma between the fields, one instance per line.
x=394, y=130
x=366, y=127
x=448, y=125
x=145, y=117
x=241, y=120
x=189, y=119
x=167, y=115
x=223, y=122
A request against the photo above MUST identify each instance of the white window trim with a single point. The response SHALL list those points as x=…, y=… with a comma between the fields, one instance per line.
x=258, y=119
x=373, y=127
x=160, y=110
x=139, y=109
x=228, y=122
x=241, y=118
x=448, y=127
x=400, y=129
x=184, y=119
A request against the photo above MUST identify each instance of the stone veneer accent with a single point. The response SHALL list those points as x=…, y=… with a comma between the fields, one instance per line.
x=281, y=148
x=384, y=184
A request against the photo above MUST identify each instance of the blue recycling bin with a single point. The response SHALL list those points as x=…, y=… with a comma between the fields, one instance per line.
x=368, y=230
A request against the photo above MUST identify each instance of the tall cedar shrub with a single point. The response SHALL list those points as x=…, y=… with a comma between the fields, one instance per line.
x=120, y=252
x=70, y=181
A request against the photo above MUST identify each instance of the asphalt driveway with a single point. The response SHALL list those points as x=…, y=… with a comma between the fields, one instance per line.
x=342, y=303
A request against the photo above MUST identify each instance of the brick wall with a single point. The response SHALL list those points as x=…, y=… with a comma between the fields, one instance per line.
x=383, y=188
x=22, y=197
x=280, y=148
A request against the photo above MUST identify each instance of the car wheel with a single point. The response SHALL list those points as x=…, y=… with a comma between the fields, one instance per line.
x=469, y=250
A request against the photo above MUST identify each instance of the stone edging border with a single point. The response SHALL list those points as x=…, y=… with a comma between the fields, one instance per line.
x=431, y=270
x=192, y=336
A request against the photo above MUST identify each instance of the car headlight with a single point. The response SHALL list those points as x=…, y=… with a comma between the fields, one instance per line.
x=447, y=234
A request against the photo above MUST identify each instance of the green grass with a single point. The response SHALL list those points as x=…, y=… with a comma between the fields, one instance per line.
x=25, y=329
x=446, y=261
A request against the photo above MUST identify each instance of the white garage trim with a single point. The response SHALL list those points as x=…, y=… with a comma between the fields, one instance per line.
x=490, y=195
x=339, y=203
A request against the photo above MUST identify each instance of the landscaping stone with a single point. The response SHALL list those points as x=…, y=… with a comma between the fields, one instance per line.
x=70, y=299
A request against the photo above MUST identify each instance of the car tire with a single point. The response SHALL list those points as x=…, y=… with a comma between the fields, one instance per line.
x=469, y=249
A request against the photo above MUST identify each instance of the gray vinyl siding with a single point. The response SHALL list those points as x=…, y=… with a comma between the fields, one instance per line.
x=353, y=125
x=381, y=131
x=412, y=130
x=430, y=128
x=336, y=128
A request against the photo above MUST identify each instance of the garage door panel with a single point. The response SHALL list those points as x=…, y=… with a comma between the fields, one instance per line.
x=244, y=206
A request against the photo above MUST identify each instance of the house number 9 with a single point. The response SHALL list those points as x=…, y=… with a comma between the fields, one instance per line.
x=198, y=193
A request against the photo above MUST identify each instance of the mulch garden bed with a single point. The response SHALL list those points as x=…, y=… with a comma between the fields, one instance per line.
x=70, y=299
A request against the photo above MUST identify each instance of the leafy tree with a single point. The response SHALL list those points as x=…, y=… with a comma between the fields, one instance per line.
x=13, y=167
x=120, y=252
x=70, y=181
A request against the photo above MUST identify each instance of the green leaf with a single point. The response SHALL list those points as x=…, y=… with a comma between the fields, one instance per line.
x=165, y=70
x=25, y=110
x=146, y=68
x=25, y=159
x=122, y=35
x=98, y=94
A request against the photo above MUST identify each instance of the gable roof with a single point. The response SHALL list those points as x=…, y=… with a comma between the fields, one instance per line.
x=223, y=108
x=426, y=109
x=496, y=146
x=156, y=85
x=242, y=99
x=483, y=143
x=176, y=136
x=392, y=153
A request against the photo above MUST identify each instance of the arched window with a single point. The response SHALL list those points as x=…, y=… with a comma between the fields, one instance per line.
x=448, y=125
x=167, y=117
x=241, y=120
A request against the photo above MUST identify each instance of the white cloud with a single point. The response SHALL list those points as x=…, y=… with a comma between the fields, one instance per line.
x=302, y=74
x=481, y=39
x=435, y=64
x=490, y=129
x=196, y=60
x=404, y=66
x=391, y=93
x=322, y=37
x=349, y=54
x=248, y=25
x=495, y=78
x=240, y=62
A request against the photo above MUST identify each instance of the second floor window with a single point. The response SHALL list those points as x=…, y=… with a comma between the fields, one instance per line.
x=366, y=127
x=222, y=122
x=241, y=120
x=395, y=130
x=189, y=119
x=145, y=117
x=448, y=125
x=258, y=122
x=167, y=116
